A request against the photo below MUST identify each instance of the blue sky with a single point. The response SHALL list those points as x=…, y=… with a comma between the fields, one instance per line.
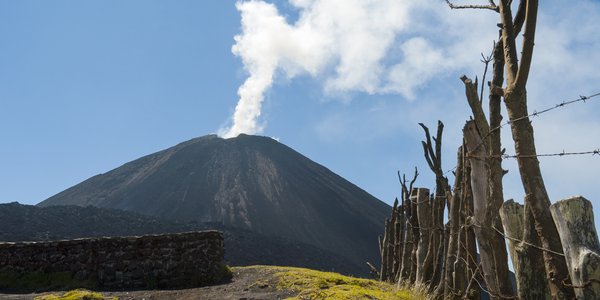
x=86, y=86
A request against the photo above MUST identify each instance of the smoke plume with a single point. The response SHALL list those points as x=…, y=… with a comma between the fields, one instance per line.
x=346, y=43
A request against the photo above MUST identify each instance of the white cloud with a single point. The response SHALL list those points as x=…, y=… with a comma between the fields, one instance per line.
x=365, y=46
x=401, y=47
x=421, y=62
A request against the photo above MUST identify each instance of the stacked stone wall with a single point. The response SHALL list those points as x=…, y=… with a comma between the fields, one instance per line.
x=152, y=261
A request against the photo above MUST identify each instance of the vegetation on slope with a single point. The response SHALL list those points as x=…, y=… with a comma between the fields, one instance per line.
x=75, y=295
x=311, y=284
x=262, y=282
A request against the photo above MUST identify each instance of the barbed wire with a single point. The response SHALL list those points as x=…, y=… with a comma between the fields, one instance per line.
x=536, y=113
x=559, y=105
x=563, y=153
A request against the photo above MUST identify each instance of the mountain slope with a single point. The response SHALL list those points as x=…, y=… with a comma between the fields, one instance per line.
x=249, y=182
x=242, y=247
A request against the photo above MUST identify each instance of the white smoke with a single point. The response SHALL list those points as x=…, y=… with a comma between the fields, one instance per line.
x=352, y=45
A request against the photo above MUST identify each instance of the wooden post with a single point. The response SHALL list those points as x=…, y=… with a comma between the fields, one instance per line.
x=454, y=201
x=424, y=262
x=438, y=242
x=574, y=220
x=383, y=273
x=388, y=245
x=492, y=248
x=407, y=247
x=432, y=150
x=407, y=235
x=416, y=234
x=527, y=261
x=391, y=243
x=469, y=245
x=398, y=242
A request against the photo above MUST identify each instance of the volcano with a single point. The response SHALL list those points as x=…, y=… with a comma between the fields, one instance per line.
x=249, y=182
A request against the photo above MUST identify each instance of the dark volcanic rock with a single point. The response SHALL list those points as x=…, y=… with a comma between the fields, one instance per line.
x=242, y=247
x=249, y=182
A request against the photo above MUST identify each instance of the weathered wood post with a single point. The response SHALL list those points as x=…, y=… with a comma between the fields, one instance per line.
x=416, y=234
x=407, y=247
x=432, y=150
x=469, y=256
x=527, y=261
x=398, y=242
x=383, y=248
x=574, y=220
x=492, y=248
x=407, y=237
x=454, y=202
x=424, y=261
x=387, y=246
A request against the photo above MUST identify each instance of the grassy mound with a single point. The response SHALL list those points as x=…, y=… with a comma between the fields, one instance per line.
x=75, y=295
x=311, y=284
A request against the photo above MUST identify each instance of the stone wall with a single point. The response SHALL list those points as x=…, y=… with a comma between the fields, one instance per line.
x=152, y=261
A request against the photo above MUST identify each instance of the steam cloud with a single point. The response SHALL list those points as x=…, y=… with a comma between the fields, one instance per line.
x=346, y=42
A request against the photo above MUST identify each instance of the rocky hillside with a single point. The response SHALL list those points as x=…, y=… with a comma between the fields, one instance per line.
x=249, y=182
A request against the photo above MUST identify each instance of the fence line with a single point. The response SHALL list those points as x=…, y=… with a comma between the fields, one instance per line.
x=541, y=112
x=563, y=153
x=536, y=113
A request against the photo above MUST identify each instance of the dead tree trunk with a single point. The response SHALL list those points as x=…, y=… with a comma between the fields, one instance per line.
x=489, y=149
x=407, y=246
x=416, y=233
x=407, y=236
x=433, y=155
x=451, y=286
x=388, y=246
x=398, y=241
x=526, y=257
x=383, y=273
x=492, y=249
x=515, y=98
x=574, y=218
x=468, y=235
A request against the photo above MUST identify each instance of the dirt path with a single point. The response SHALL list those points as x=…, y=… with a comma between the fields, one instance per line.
x=248, y=283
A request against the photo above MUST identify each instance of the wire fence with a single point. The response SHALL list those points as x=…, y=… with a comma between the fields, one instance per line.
x=535, y=113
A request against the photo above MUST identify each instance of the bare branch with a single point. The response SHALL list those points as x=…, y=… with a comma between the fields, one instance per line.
x=406, y=189
x=427, y=156
x=528, y=41
x=428, y=148
x=414, y=178
x=495, y=103
x=491, y=6
x=519, y=17
x=509, y=43
x=476, y=108
x=486, y=61
x=438, y=148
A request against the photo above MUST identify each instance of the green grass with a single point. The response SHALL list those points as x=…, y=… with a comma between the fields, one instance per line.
x=75, y=295
x=311, y=284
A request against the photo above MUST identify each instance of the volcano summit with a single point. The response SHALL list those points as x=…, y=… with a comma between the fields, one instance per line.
x=249, y=182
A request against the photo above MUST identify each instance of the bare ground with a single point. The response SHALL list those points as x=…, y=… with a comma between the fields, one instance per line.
x=248, y=283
